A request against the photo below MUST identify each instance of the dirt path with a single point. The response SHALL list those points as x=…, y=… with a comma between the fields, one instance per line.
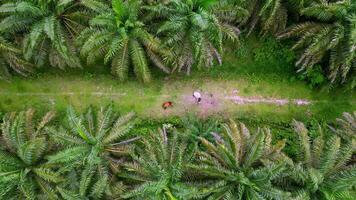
x=215, y=101
x=209, y=99
x=212, y=101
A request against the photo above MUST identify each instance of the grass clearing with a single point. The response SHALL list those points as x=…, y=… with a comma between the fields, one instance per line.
x=146, y=100
x=259, y=68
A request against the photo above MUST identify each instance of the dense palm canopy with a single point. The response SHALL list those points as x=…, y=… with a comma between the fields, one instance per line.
x=329, y=33
x=11, y=60
x=91, y=157
x=322, y=172
x=346, y=129
x=195, y=128
x=195, y=30
x=157, y=167
x=91, y=142
x=241, y=165
x=173, y=35
x=24, y=173
x=270, y=14
x=48, y=28
x=346, y=126
x=120, y=37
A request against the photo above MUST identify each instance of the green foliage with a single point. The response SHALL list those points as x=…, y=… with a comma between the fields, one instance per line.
x=11, y=60
x=329, y=34
x=241, y=165
x=314, y=76
x=322, y=173
x=48, y=29
x=259, y=59
x=120, y=37
x=291, y=140
x=196, y=31
x=157, y=168
x=91, y=158
x=196, y=127
x=272, y=55
x=24, y=174
x=175, y=35
x=271, y=15
x=147, y=125
x=90, y=143
x=346, y=128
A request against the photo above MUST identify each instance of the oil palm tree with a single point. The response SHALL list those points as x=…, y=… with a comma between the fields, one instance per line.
x=196, y=29
x=11, y=60
x=271, y=15
x=240, y=165
x=48, y=28
x=118, y=36
x=346, y=129
x=346, y=126
x=321, y=172
x=195, y=127
x=96, y=5
x=157, y=168
x=329, y=34
x=91, y=141
x=24, y=173
x=70, y=188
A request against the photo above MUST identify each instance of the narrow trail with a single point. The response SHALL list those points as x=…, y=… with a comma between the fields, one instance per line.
x=214, y=101
x=227, y=101
x=208, y=98
x=218, y=102
x=62, y=94
x=240, y=97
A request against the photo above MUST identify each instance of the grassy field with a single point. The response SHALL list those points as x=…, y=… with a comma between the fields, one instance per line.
x=53, y=92
x=254, y=70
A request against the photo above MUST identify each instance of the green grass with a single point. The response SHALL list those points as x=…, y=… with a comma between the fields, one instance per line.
x=257, y=68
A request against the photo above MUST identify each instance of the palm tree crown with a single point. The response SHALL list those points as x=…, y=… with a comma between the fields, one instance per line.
x=271, y=15
x=240, y=165
x=90, y=142
x=196, y=30
x=11, y=60
x=121, y=38
x=331, y=34
x=157, y=167
x=24, y=173
x=321, y=172
x=347, y=126
x=48, y=27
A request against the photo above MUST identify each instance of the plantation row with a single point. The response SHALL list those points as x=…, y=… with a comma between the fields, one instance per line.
x=173, y=35
x=94, y=155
